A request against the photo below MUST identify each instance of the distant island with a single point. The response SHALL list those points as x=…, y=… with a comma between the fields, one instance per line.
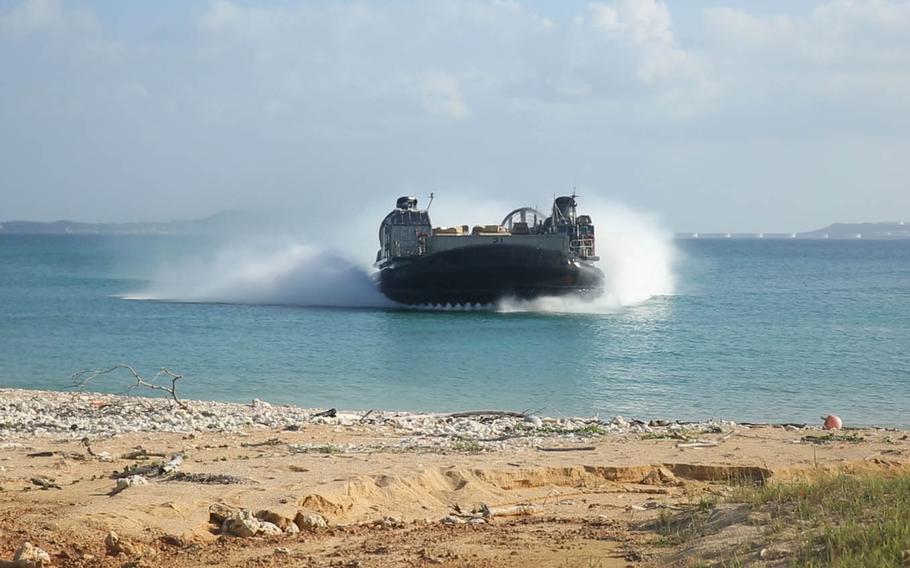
x=890, y=230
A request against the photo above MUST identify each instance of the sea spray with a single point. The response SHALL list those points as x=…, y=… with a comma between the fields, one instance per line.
x=268, y=273
x=637, y=257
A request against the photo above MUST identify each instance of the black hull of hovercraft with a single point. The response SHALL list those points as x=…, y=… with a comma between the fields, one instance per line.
x=486, y=274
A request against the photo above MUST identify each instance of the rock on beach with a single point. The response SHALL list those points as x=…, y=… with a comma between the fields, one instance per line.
x=30, y=555
x=242, y=524
x=91, y=415
x=310, y=521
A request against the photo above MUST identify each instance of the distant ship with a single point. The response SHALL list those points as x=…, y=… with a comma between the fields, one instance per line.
x=526, y=256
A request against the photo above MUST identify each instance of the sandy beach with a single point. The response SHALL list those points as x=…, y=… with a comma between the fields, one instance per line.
x=262, y=485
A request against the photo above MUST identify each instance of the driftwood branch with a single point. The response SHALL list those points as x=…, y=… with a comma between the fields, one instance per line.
x=704, y=443
x=142, y=454
x=83, y=377
x=487, y=413
x=567, y=449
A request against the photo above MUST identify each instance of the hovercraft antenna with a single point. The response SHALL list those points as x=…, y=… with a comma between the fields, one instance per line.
x=430, y=202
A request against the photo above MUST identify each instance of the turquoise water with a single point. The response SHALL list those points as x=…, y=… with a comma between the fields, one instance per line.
x=757, y=331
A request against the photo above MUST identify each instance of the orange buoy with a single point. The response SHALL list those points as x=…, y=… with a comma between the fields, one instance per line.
x=833, y=422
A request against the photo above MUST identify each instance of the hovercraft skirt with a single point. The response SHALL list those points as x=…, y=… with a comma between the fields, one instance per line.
x=486, y=274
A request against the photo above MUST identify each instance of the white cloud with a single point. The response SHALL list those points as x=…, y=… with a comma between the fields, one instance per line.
x=647, y=22
x=647, y=26
x=642, y=31
x=441, y=95
x=851, y=52
x=742, y=29
x=248, y=23
x=35, y=16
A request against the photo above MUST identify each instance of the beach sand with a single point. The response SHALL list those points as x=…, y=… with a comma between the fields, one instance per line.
x=394, y=489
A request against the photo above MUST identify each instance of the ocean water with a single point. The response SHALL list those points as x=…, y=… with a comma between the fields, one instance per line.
x=753, y=331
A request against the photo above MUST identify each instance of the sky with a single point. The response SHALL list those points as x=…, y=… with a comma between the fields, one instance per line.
x=713, y=115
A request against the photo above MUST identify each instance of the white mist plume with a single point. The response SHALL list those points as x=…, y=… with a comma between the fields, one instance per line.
x=636, y=255
x=289, y=275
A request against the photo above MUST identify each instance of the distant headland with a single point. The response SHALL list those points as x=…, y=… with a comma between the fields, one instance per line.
x=225, y=222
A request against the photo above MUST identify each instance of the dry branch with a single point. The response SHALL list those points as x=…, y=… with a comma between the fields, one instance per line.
x=152, y=469
x=269, y=442
x=567, y=449
x=83, y=377
x=487, y=413
x=520, y=510
x=704, y=443
x=141, y=454
x=45, y=483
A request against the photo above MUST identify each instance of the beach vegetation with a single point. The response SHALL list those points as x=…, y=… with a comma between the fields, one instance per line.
x=667, y=435
x=835, y=520
x=679, y=433
x=831, y=437
x=591, y=430
x=844, y=520
x=588, y=430
x=467, y=446
x=677, y=527
x=320, y=449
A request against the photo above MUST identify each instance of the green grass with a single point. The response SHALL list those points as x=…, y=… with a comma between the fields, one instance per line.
x=589, y=430
x=661, y=436
x=468, y=446
x=680, y=434
x=843, y=520
x=832, y=437
x=676, y=528
x=325, y=449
